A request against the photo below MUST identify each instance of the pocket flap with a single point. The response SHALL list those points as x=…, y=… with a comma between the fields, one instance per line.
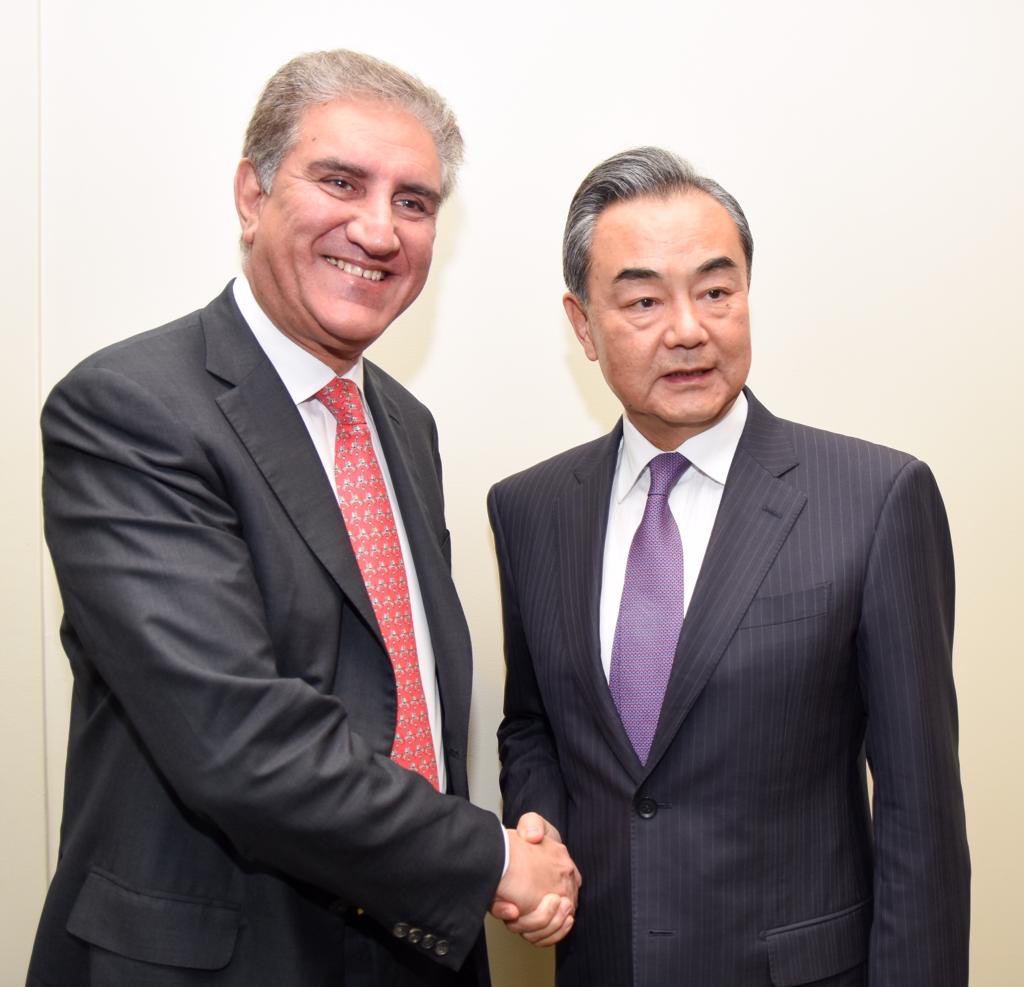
x=819, y=948
x=787, y=607
x=175, y=930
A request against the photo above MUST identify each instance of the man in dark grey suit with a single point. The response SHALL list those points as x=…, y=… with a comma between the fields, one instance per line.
x=713, y=619
x=266, y=779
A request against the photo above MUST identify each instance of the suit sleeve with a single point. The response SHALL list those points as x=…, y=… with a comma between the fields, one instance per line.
x=531, y=779
x=160, y=594
x=919, y=935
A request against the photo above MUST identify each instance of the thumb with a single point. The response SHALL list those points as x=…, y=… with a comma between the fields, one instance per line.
x=504, y=910
x=531, y=827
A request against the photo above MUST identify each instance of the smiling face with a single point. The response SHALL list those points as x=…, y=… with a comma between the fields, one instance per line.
x=341, y=245
x=667, y=315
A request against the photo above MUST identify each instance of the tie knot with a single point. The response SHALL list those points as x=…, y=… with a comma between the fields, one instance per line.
x=665, y=472
x=341, y=398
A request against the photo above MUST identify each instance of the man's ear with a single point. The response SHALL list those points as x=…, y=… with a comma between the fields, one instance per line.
x=249, y=198
x=577, y=313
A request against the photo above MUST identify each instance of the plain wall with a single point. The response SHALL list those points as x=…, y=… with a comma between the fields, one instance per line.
x=877, y=150
x=23, y=813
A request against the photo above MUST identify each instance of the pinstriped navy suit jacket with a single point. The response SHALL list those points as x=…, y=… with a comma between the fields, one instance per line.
x=819, y=636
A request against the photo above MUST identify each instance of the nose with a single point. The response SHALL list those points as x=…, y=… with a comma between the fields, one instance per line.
x=372, y=228
x=685, y=328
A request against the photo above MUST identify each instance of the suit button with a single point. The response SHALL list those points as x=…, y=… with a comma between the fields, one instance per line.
x=401, y=930
x=428, y=941
x=415, y=935
x=646, y=807
x=441, y=947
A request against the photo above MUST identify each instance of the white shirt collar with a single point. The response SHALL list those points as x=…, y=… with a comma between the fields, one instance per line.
x=711, y=451
x=300, y=372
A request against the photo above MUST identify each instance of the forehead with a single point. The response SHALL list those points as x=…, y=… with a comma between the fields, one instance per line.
x=371, y=135
x=682, y=230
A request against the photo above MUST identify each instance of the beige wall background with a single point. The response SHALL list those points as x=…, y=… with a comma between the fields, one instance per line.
x=877, y=149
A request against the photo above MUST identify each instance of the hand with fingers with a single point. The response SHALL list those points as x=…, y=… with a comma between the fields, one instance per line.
x=537, y=896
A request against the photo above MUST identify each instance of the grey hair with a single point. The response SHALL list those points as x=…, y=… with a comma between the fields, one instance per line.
x=638, y=173
x=321, y=76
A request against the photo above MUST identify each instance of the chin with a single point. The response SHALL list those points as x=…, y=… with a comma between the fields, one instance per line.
x=354, y=324
x=694, y=417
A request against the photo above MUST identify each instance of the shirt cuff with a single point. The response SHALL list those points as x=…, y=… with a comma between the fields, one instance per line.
x=504, y=836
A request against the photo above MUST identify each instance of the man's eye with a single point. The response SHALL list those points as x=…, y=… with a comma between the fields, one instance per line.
x=715, y=294
x=339, y=183
x=644, y=303
x=414, y=204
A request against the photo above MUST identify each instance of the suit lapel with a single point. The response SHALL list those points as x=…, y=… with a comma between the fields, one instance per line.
x=263, y=415
x=413, y=476
x=755, y=517
x=582, y=519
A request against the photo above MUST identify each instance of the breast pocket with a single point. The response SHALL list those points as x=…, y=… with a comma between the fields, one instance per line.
x=786, y=608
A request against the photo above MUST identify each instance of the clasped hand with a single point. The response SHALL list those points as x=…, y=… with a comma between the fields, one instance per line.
x=537, y=896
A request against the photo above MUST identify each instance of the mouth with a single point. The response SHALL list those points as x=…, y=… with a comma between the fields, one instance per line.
x=684, y=376
x=368, y=274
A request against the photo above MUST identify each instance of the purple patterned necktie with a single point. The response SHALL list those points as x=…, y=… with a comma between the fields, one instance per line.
x=651, y=612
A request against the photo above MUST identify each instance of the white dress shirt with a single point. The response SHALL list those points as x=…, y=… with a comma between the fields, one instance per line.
x=303, y=375
x=693, y=501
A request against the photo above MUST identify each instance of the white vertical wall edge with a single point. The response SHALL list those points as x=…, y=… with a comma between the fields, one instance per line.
x=22, y=715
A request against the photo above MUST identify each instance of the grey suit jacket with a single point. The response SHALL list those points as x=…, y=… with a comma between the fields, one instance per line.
x=820, y=631
x=231, y=812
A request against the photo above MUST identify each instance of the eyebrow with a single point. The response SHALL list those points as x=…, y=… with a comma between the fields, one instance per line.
x=649, y=274
x=357, y=171
x=336, y=164
x=717, y=264
x=636, y=274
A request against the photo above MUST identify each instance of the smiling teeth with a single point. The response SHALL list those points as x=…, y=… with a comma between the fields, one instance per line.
x=359, y=272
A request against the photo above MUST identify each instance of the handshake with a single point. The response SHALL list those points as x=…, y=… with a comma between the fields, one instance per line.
x=537, y=896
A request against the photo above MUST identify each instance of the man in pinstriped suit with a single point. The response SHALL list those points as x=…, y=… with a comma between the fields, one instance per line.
x=735, y=845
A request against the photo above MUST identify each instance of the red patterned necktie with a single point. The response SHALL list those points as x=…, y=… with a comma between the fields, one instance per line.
x=364, y=503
